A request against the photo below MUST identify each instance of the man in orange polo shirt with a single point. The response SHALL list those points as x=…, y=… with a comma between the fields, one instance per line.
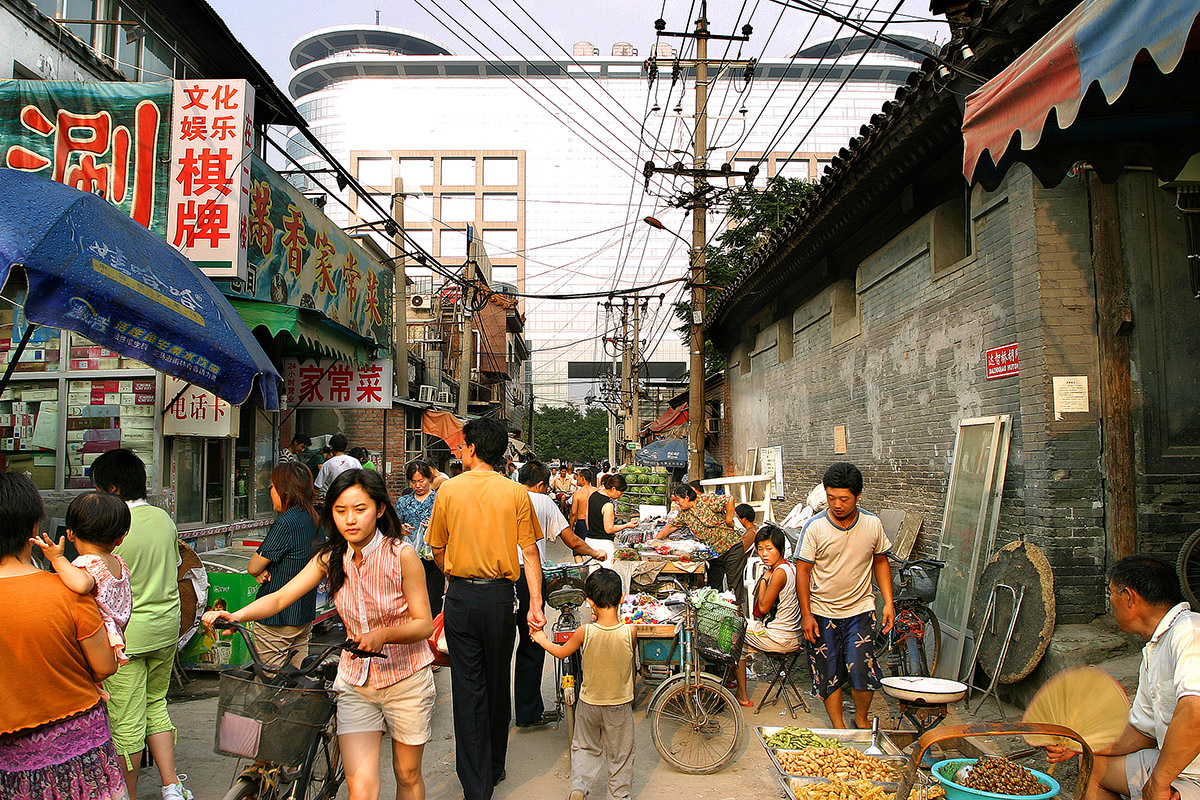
x=480, y=518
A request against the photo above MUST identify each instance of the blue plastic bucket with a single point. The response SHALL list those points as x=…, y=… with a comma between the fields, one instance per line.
x=956, y=791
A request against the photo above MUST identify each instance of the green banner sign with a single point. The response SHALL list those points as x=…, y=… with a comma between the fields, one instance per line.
x=298, y=257
x=111, y=139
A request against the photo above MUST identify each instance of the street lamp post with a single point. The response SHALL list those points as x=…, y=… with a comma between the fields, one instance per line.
x=696, y=353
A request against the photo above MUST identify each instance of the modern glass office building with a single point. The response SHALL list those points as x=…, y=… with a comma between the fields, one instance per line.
x=543, y=158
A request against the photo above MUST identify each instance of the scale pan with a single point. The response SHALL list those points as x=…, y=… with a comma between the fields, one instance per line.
x=931, y=691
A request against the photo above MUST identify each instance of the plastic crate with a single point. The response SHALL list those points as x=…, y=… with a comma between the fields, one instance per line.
x=261, y=722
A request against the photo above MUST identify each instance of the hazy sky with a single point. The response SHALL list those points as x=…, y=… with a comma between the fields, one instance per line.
x=269, y=28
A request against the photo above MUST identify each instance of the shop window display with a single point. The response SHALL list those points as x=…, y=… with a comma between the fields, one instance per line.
x=202, y=480
x=42, y=353
x=104, y=414
x=29, y=431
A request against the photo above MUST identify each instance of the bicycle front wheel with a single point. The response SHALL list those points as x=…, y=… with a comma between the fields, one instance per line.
x=1188, y=566
x=697, y=728
x=248, y=788
x=322, y=774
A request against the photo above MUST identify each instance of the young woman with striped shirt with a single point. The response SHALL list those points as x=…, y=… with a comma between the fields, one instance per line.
x=378, y=588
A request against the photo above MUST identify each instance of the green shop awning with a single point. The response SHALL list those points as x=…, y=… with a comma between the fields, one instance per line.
x=305, y=332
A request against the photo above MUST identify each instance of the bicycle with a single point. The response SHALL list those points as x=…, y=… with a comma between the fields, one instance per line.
x=283, y=718
x=562, y=585
x=1188, y=566
x=914, y=644
x=695, y=721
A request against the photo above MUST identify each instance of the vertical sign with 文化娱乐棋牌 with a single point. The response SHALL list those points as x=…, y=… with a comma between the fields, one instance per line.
x=110, y=139
x=212, y=130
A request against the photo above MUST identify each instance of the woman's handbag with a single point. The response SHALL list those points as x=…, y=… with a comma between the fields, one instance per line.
x=437, y=642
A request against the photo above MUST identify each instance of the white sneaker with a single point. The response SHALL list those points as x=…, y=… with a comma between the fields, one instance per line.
x=177, y=791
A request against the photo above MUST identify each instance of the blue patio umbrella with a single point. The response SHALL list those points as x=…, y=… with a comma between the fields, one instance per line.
x=672, y=454
x=91, y=269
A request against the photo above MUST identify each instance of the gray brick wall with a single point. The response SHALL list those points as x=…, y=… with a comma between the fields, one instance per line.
x=917, y=369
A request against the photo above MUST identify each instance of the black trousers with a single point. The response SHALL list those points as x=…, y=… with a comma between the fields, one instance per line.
x=728, y=567
x=479, y=633
x=435, y=584
x=527, y=670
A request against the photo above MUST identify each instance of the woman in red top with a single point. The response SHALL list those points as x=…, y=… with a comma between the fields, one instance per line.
x=378, y=588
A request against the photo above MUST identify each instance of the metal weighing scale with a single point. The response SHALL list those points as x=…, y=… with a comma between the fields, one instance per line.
x=924, y=702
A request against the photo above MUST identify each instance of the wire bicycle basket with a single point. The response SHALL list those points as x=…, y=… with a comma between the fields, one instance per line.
x=919, y=581
x=264, y=722
x=720, y=633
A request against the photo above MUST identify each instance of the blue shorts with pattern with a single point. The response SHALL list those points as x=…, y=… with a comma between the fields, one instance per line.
x=844, y=653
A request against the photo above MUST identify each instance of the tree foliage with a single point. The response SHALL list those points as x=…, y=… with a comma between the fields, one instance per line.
x=753, y=215
x=562, y=432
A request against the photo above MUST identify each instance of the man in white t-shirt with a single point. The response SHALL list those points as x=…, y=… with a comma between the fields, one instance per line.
x=1157, y=756
x=527, y=671
x=337, y=463
x=840, y=549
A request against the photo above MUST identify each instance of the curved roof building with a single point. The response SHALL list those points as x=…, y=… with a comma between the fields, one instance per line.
x=542, y=156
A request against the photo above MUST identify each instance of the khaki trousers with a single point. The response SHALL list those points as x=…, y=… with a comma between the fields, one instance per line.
x=273, y=642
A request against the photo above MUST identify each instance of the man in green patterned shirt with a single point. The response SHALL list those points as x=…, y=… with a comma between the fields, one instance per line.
x=710, y=519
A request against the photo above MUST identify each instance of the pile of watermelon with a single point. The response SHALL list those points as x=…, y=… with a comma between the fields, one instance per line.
x=647, y=486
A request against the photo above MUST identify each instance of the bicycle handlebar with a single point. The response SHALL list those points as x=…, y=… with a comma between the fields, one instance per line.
x=261, y=668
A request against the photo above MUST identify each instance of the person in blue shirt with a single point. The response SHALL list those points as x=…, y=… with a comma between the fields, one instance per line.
x=285, y=550
x=414, y=510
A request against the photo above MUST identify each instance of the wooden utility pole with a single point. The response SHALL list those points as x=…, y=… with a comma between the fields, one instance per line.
x=635, y=404
x=464, y=356
x=626, y=381
x=699, y=207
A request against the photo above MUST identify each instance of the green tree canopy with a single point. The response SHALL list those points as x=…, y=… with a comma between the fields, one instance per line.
x=753, y=215
x=562, y=432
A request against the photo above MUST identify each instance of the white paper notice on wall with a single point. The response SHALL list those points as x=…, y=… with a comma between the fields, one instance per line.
x=1070, y=395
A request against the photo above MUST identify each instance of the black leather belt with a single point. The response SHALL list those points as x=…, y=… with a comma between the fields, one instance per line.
x=480, y=581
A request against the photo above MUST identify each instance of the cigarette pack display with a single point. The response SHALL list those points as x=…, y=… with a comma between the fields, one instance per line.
x=143, y=399
x=89, y=423
x=99, y=411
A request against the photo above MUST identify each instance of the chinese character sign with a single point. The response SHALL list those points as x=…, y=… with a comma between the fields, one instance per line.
x=212, y=126
x=324, y=383
x=104, y=138
x=297, y=256
x=1002, y=361
x=196, y=412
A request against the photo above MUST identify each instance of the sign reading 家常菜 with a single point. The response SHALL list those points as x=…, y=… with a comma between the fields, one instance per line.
x=324, y=383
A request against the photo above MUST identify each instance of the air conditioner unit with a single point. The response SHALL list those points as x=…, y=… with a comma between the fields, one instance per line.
x=444, y=397
x=711, y=425
x=428, y=393
x=420, y=301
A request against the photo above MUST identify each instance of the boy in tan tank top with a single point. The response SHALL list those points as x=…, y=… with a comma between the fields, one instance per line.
x=604, y=711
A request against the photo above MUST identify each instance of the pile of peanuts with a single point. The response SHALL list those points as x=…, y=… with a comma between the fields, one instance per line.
x=843, y=763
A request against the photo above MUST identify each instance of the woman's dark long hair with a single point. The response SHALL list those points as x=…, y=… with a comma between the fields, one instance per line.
x=334, y=547
x=293, y=483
